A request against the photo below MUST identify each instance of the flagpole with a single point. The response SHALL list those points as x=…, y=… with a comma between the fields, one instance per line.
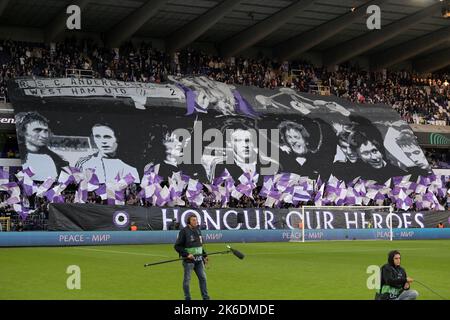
x=303, y=224
x=390, y=216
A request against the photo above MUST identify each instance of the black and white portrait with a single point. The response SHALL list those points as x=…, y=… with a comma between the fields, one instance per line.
x=105, y=161
x=34, y=134
x=243, y=154
x=372, y=156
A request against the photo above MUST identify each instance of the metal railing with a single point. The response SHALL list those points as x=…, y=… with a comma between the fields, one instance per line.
x=80, y=73
x=5, y=223
x=295, y=73
x=317, y=88
x=320, y=89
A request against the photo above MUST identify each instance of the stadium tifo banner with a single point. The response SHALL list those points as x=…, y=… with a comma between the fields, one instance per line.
x=92, y=217
x=202, y=127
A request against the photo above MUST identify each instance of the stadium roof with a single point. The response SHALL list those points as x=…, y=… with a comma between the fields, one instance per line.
x=410, y=29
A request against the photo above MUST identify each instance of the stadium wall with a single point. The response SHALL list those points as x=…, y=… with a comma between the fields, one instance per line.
x=83, y=238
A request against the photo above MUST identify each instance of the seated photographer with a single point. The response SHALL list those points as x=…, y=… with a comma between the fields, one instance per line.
x=395, y=285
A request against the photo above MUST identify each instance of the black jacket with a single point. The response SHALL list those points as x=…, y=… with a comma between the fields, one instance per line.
x=383, y=174
x=189, y=238
x=393, y=276
x=347, y=171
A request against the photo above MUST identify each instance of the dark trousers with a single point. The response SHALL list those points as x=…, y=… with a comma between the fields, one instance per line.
x=199, y=269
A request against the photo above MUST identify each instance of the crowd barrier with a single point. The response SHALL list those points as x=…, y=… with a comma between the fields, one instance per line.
x=86, y=238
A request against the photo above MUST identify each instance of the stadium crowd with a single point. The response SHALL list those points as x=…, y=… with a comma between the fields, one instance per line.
x=416, y=99
x=438, y=158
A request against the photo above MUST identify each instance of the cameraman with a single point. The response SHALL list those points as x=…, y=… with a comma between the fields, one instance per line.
x=189, y=246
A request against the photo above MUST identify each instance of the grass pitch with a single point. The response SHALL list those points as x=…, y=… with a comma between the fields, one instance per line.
x=311, y=270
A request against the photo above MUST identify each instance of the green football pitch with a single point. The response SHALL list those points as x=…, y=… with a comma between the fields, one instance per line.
x=311, y=270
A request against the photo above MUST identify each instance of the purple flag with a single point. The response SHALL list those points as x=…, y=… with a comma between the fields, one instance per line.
x=101, y=191
x=268, y=185
x=318, y=183
x=300, y=195
x=27, y=171
x=424, y=181
x=191, y=100
x=54, y=195
x=355, y=181
x=28, y=185
x=273, y=198
x=242, y=105
x=397, y=180
x=14, y=193
x=248, y=183
x=163, y=197
x=65, y=178
x=222, y=187
x=194, y=192
x=318, y=199
x=80, y=196
x=43, y=188
x=441, y=192
x=379, y=198
x=21, y=210
x=4, y=176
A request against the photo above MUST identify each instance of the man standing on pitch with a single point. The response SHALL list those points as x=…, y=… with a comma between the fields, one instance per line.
x=189, y=246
